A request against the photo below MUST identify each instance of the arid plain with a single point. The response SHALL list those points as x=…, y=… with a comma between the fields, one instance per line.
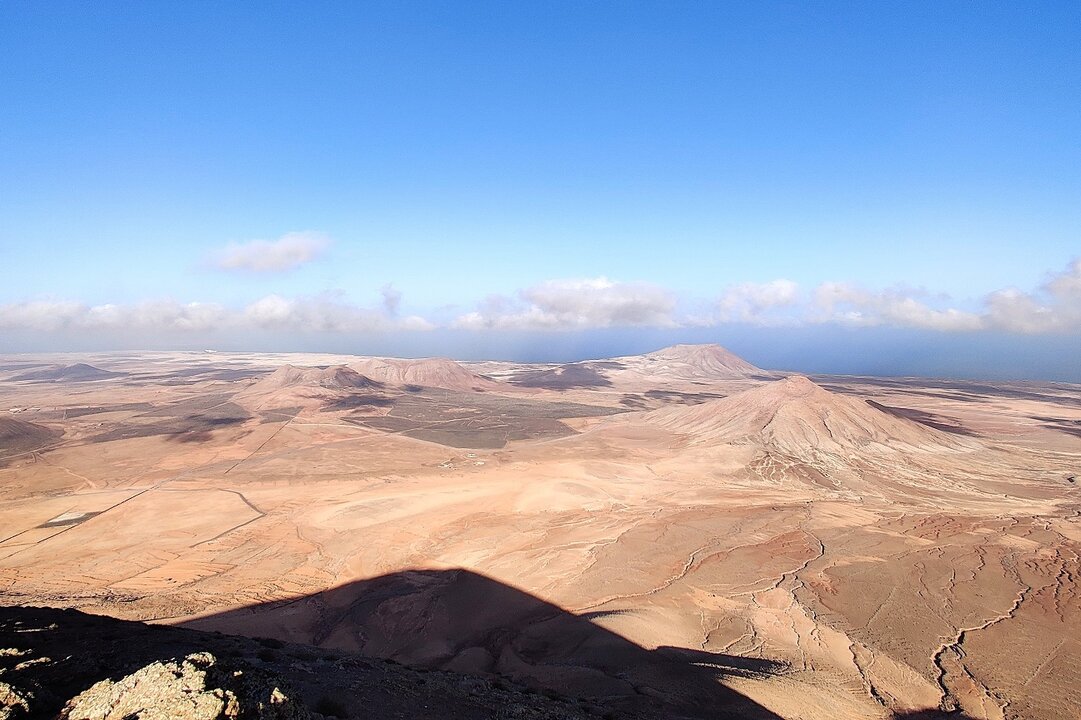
x=679, y=526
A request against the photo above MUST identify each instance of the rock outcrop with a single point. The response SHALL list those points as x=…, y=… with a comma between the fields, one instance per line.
x=195, y=687
x=68, y=665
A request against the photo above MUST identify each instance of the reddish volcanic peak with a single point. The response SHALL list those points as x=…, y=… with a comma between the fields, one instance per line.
x=793, y=387
x=334, y=377
x=795, y=416
x=697, y=361
x=343, y=376
x=428, y=372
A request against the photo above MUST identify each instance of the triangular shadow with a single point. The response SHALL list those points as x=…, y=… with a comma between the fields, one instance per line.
x=462, y=621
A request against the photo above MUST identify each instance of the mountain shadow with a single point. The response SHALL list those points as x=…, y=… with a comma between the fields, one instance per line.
x=68, y=665
x=460, y=621
x=931, y=714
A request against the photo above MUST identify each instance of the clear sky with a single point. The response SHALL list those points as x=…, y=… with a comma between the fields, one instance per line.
x=547, y=179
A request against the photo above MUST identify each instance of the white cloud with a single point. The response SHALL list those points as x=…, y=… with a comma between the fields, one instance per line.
x=575, y=304
x=415, y=323
x=322, y=313
x=58, y=315
x=1054, y=308
x=267, y=256
x=852, y=305
x=328, y=312
x=40, y=314
x=754, y=302
x=167, y=314
x=270, y=310
x=599, y=302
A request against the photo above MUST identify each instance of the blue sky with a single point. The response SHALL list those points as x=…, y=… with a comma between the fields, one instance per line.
x=435, y=178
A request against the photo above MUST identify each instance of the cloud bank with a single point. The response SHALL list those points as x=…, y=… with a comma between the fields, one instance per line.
x=852, y=305
x=575, y=305
x=591, y=303
x=757, y=302
x=1055, y=307
x=288, y=252
x=319, y=314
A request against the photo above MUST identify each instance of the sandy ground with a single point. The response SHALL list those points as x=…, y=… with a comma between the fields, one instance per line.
x=825, y=556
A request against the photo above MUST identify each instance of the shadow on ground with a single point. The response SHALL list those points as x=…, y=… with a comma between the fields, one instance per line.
x=457, y=620
x=931, y=715
x=437, y=644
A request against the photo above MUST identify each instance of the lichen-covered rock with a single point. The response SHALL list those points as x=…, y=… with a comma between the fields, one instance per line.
x=195, y=687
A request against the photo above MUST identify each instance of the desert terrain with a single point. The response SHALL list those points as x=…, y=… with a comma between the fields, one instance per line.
x=676, y=534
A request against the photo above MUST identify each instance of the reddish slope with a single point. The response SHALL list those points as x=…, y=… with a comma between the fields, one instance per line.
x=427, y=372
x=336, y=377
x=18, y=436
x=692, y=362
x=303, y=387
x=795, y=416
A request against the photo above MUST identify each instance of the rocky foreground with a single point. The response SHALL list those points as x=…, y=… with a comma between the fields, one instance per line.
x=74, y=666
